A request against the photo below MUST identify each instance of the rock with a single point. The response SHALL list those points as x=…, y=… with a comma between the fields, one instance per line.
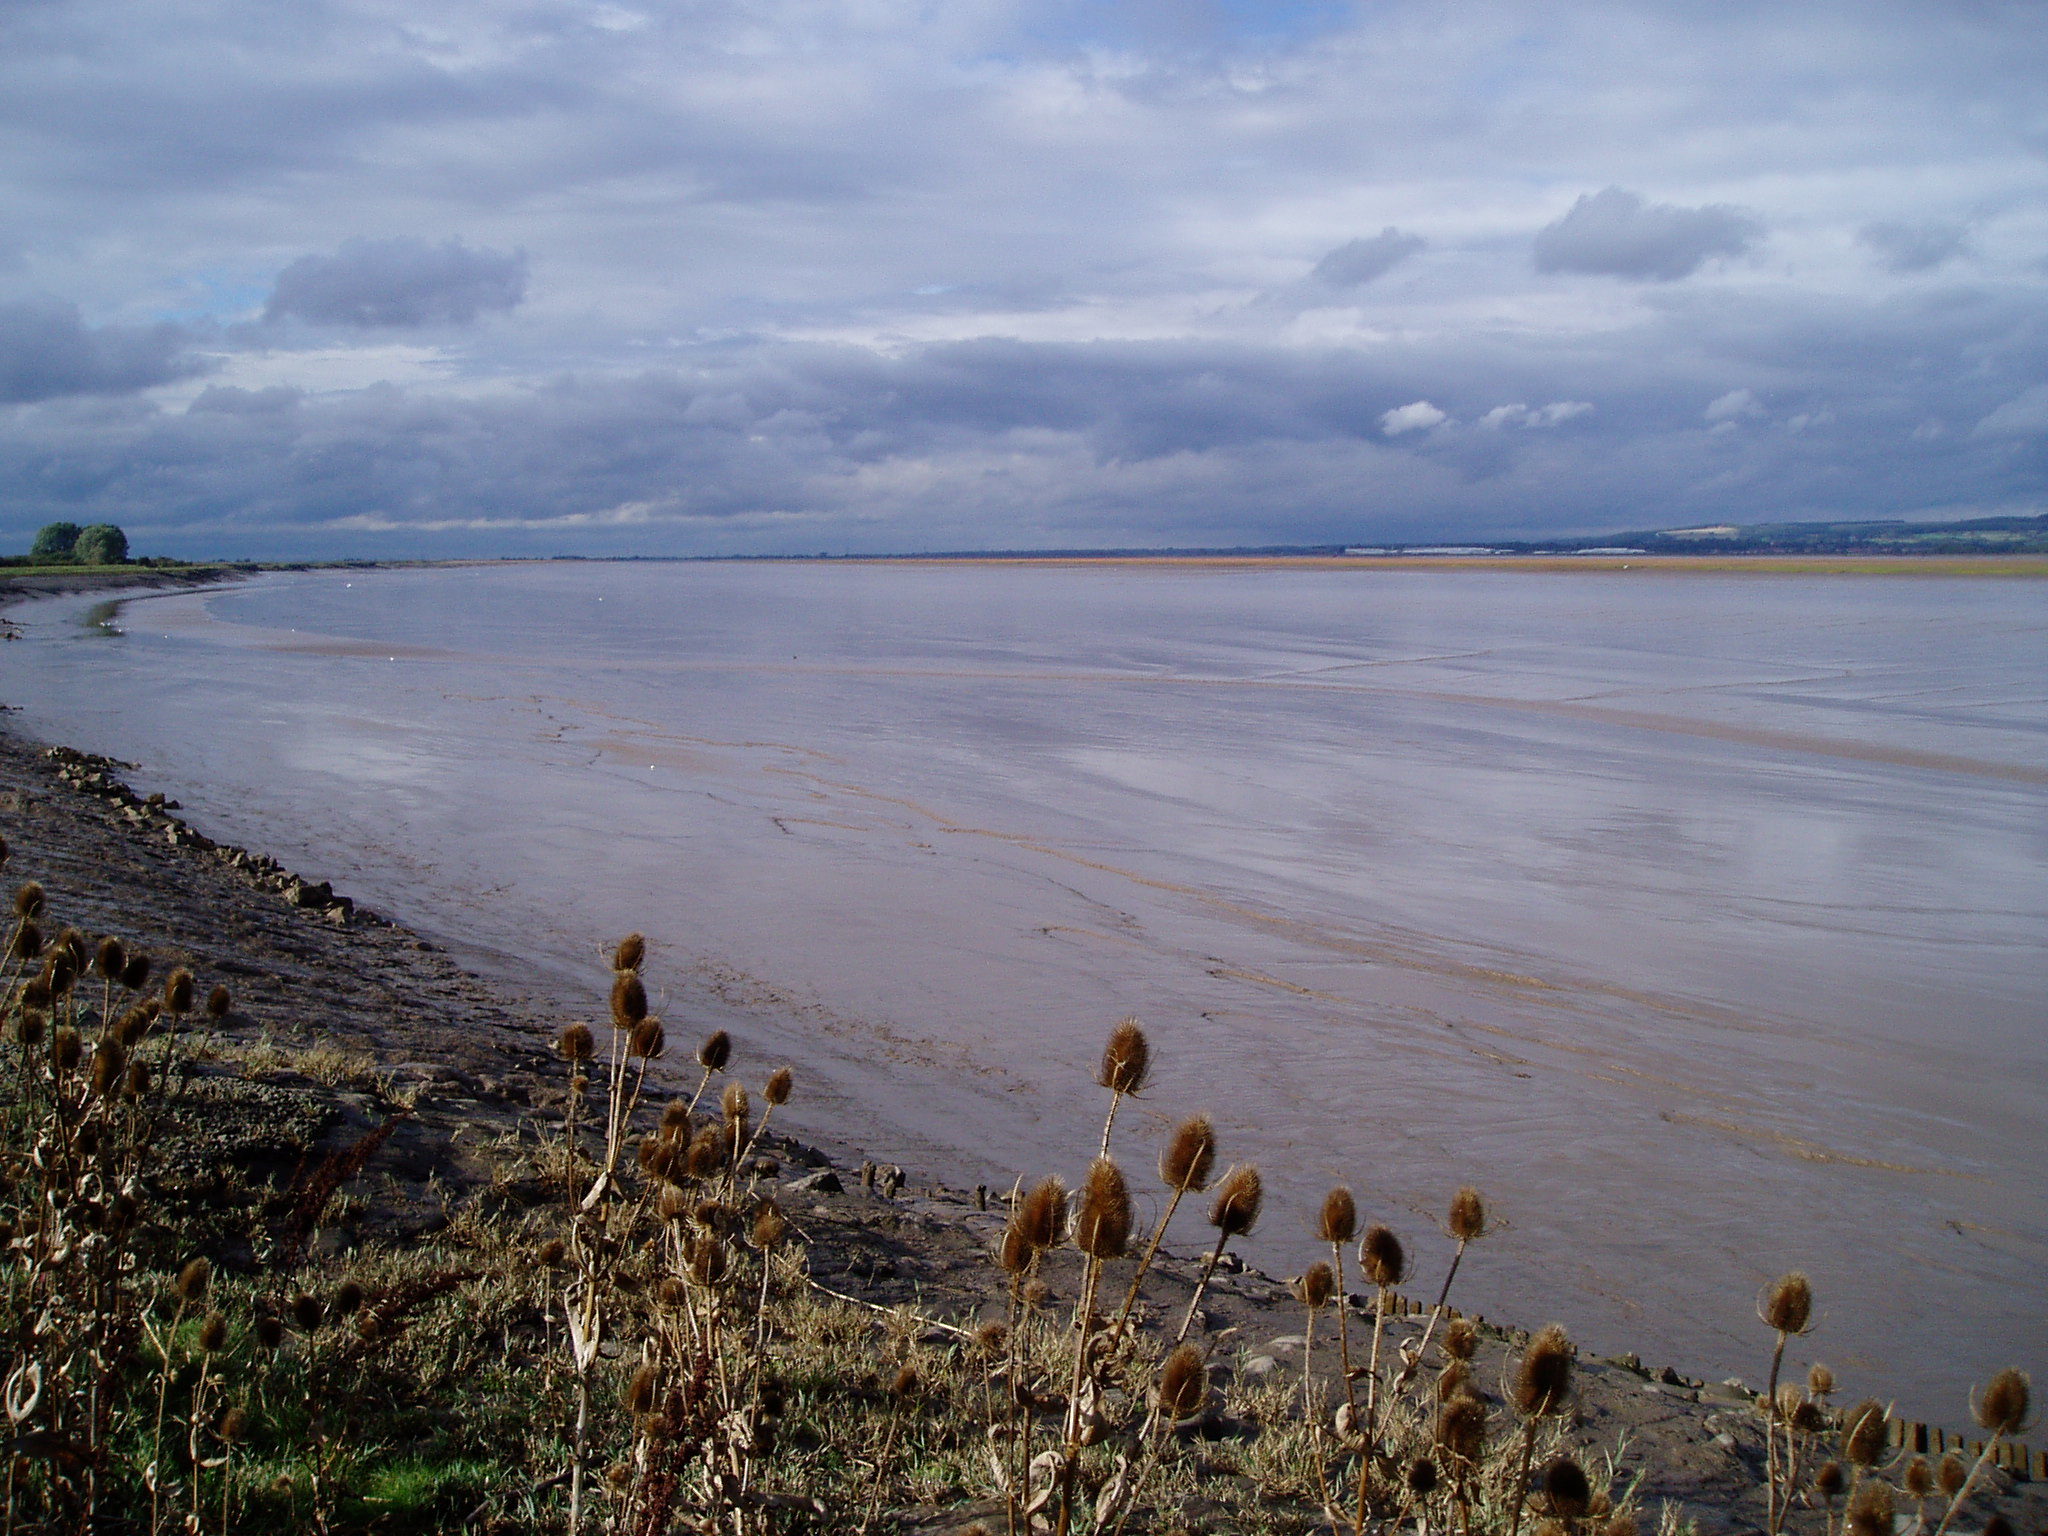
x=1259, y=1367
x=304, y=895
x=823, y=1182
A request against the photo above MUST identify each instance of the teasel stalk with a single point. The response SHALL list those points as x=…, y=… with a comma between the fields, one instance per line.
x=1126, y=1067
x=1185, y=1163
x=712, y=1056
x=1337, y=1224
x=1102, y=1231
x=1233, y=1214
x=1314, y=1290
x=1466, y=1224
x=190, y=1289
x=1542, y=1385
x=2000, y=1411
x=1182, y=1388
x=1787, y=1310
x=1037, y=1224
x=213, y=1338
x=1383, y=1261
x=774, y=1093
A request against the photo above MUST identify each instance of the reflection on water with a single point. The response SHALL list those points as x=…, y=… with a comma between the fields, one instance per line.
x=1698, y=920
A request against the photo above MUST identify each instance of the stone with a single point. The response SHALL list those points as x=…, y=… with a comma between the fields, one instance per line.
x=823, y=1182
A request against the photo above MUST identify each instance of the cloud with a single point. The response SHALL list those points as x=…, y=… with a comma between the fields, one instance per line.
x=1736, y=405
x=1914, y=247
x=1520, y=415
x=370, y=284
x=47, y=351
x=2022, y=416
x=1614, y=233
x=1419, y=416
x=1357, y=262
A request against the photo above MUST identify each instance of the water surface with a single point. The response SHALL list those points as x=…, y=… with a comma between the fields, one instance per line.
x=1699, y=920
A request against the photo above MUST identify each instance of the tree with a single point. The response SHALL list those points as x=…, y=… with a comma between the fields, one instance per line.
x=102, y=544
x=55, y=541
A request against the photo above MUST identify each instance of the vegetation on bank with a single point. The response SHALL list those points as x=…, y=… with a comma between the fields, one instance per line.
x=623, y=1333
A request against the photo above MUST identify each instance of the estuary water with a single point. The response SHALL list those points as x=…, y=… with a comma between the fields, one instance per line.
x=1700, y=920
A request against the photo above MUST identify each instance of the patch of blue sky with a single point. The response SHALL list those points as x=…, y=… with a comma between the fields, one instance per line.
x=1144, y=25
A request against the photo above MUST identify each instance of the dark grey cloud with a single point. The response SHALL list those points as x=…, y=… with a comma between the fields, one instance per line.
x=398, y=284
x=47, y=351
x=1914, y=247
x=1614, y=233
x=1357, y=262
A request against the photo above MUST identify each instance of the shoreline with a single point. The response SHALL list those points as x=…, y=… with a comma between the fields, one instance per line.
x=470, y=1058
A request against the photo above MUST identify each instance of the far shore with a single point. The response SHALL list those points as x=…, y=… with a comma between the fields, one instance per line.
x=1663, y=565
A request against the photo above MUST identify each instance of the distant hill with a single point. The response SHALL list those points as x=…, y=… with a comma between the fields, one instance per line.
x=1975, y=536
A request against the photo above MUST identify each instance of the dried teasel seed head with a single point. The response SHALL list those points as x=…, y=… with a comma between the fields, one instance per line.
x=1789, y=1307
x=109, y=958
x=1315, y=1288
x=1183, y=1384
x=1621, y=1524
x=1820, y=1381
x=213, y=1333
x=1382, y=1257
x=2003, y=1407
x=27, y=943
x=269, y=1330
x=36, y=994
x=1102, y=1228
x=307, y=1313
x=178, y=991
x=1468, y=1215
x=632, y=950
x=629, y=1000
x=907, y=1386
x=735, y=1104
x=672, y=1294
x=1461, y=1429
x=1041, y=1216
x=577, y=1043
x=1014, y=1254
x=1808, y=1419
x=1918, y=1478
x=234, y=1425
x=1189, y=1157
x=1456, y=1377
x=1871, y=1510
x=707, y=1153
x=1461, y=1338
x=780, y=1081
x=715, y=1052
x=769, y=1226
x=59, y=972
x=29, y=1028
x=348, y=1298
x=1337, y=1221
x=640, y=1390
x=991, y=1339
x=1789, y=1399
x=1863, y=1433
x=1829, y=1480
x=707, y=1260
x=1421, y=1477
x=1036, y=1293
x=192, y=1281
x=552, y=1252
x=1544, y=1379
x=675, y=1117
x=1238, y=1199
x=28, y=899
x=65, y=1049
x=1126, y=1059
x=109, y=1065
x=673, y=1205
x=135, y=974
x=1567, y=1489
x=1952, y=1474
x=77, y=949
x=219, y=1001
x=648, y=1040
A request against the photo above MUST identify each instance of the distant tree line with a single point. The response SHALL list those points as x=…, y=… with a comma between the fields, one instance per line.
x=69, y=544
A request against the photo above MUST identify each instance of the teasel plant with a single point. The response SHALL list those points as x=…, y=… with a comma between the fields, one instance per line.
x=1337, y=1225
x=1787, y=1310
x=1126, y=1068
x=1466, y=1224
x=1102, y=1231
x=2001, y=1412
x=1233, y=1213
x=1185, y=1164
x=1541, y=1388
x=1037, y=1225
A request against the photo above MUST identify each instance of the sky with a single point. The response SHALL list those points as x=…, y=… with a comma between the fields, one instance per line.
x=401, y=278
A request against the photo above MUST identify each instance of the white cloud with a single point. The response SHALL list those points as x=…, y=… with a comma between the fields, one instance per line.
x=2022, y=416
x=1734, y=406
x=1519, y=415
x=1419, y=416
